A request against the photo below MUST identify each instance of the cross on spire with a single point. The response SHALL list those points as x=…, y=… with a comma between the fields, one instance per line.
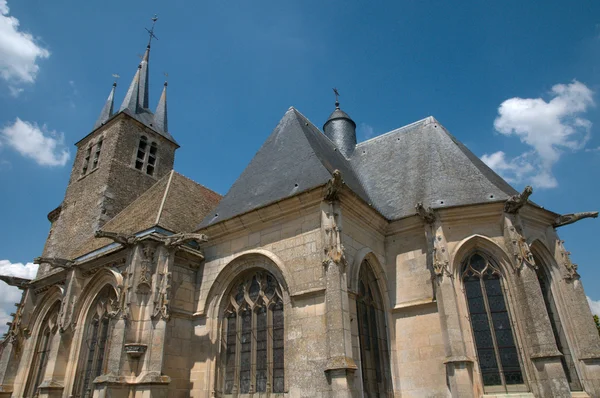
x=151, y=30
x=337, y=94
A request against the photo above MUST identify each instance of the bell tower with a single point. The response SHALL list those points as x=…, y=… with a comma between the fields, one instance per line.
x=125, y=154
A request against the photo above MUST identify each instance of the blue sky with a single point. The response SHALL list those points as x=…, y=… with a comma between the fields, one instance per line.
x=517, y=82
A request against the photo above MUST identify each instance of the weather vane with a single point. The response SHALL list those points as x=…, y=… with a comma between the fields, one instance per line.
x=151, y=30
x=166, y=77
x=116, y=78
x=337, y=94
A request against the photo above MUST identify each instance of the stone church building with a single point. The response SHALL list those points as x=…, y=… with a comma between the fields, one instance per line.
x=401, y=266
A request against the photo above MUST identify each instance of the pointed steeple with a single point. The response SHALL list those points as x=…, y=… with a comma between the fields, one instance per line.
x=160, y=116
x=137, y=99
x=107, y=110
x=130, y=101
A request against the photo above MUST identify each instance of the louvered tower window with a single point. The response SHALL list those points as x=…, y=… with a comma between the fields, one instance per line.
x=491, y=324
x=557, y=328
x=42, y=351
x=374, y=355
x=146, y=155
x=97, y=153
x=141, y=153
x=95, y=344
x=252, y=356
x=86, y=160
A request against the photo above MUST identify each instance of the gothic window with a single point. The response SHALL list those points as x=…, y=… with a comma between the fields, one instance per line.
x=41, y=353
x=145, y=159
x=97, y=153
x=492, y=327
x=95, y=344
x=374, y=355
x=86, y=160
x=557, y=328
x=252, y=359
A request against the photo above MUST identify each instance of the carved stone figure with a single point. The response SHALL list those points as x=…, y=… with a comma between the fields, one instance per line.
x=180, y=239
x=334, y=250
x=144, y=284
x=117, y=237
x=516, y=202
x=54, y=262
x=426, y=214
x=334, y=186
x=567, y=219
x=571, y=269
x=21, y=283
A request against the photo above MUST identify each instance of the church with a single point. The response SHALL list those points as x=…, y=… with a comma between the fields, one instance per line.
x=401, y=266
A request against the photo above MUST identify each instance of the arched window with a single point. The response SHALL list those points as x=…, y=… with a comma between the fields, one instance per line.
x=491, y=324
x=252, y=337
x=557, y=328
x=374, y=355
x=41, y=353
x=95, y=344
x=145, y=158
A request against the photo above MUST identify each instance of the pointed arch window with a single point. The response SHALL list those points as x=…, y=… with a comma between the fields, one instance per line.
x=557, y=328
x=95, y=344
x=42, y=352
x=252, y=352
x=146, y=155
x=491, y=324
x=374, y=355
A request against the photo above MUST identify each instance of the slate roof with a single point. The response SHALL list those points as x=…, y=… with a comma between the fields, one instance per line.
x=421, y=162
x=174, y=203
x=296, y=157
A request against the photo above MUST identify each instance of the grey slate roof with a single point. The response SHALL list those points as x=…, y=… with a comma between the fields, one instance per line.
x=296, y=157
x=421, y=162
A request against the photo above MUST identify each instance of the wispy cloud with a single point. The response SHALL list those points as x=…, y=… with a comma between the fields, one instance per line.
x=44, y=146
x=594, y=306
x=19, y=52
x=10, y=295
x=548, y=127
x=365, y=131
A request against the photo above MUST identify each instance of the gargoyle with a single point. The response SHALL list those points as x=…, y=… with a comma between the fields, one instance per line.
x=117, y=237
x=426, y=214
x=179, y=239
x=516, y=202
x=334, y=186
x=567, y=219
x=54, y=262
x=21, y=283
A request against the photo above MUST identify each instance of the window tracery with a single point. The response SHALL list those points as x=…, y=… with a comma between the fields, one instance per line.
x=374, y=354
x=252, y=348
x=42, y=351
x=95, y=344
x=497, y=353
x=562, y=344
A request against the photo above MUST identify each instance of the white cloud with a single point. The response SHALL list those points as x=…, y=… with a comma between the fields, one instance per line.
x=365, y=131
x=19, y=52
x=44, y=146
x=548, y=127
x=10, y=295
x=594, y=306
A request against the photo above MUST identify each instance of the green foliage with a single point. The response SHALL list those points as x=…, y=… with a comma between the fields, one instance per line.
x=597, y=320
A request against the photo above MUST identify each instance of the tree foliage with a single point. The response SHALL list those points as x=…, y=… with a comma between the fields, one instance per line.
x=597, y=320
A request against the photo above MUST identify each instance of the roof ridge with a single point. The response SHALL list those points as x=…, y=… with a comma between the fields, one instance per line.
x=425, y=121
x=196, y=182
x=164, y=199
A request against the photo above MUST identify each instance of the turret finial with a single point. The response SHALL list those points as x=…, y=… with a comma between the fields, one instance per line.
x=107, y=110
x=337, y=94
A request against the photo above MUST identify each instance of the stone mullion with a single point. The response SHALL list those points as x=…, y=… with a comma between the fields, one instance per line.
x=238, y=354
x=492, y=332
x=270, y=359
x=253, y=351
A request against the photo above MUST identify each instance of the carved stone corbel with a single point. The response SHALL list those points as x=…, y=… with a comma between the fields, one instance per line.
x=565, y=257
x=516, y=202
x=567, y=219
x=54, y=262
x=333, y=187
x=426, y=214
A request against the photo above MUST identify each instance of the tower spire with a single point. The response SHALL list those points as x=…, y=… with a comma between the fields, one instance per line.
x=160, y=116
x=137, y=98
x=107, y=110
